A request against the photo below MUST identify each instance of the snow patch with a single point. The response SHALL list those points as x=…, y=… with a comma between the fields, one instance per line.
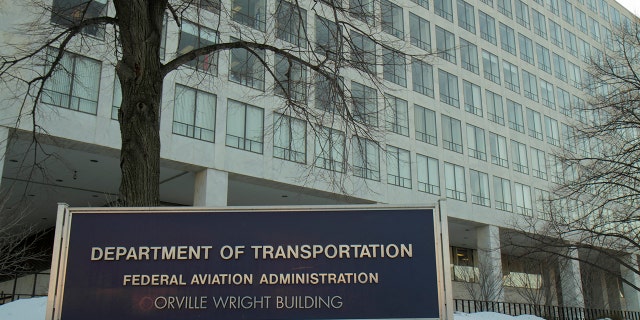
x=24, y=309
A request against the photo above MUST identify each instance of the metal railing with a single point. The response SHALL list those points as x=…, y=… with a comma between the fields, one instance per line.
x=6, y=297
x=546, y=312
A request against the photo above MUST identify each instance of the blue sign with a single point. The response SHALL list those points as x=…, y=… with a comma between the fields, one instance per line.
x=253, y=265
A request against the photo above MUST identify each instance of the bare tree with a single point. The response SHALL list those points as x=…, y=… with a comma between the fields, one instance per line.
x=481, y=282
x=347, y=38
x=21, y=244
x=594, y=206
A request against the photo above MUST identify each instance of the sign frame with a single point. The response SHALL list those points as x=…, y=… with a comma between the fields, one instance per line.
x=65, y=216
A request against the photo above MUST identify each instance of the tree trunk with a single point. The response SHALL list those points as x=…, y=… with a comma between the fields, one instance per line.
x=139, y=71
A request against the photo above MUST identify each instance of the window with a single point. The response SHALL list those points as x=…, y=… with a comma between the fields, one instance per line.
x=446, y=45
x=490, y=66
x=572, y=42
x=502, y=191
x=504, y=6
x=564, y=102
x=397, y=115
x=519, y=157
x=443, y=8
x=365, y=104
x=592, y=5
x=469, y=56
x=366, y=162
x=448, y=86
x=524, y=206
x=526, y=49
x=534, y=123
x=604, y=10
x=422, y=77
x=472, y=98
x=581, y=21
x=556, y=33
x=498, y=146
x=464, y=268
x=567, y=11
x=194, y=113
x=422, y=3
x=428, y=174
x=71, y=12
x=328, y=36
x=466, y=16
x=455, y=184
x=494, y=107
x=479, y=188
x=554, y=6
x=290, y=79
x=246, y=68
x=542, y=203
x=553, y=136
x=547, y=94
x=193, y=36
x=363, y=52
x=544, y=59
x=575, y=76
x=398, y=167
x=579, y=108
x=522, y=13
x=594, y=29
x=556, y=173
x=585, y=50
x=289, y=138
x=425, y=121
x=420, y=31
x=252, y=13
x=539, y=24
x=245, y=124
x=516, y=121
x=538, y=164
x=330, y=149
x=209, y=5
x=392, y=19
x=451, y=134
x=507, y=39
x=74, y=84
x=530, y=84
x=487, y=27
x=615, y=17
x=559, y=67
x=363, y=10
x=291, y=23
x=476, y=143
x=511, y=78
x=394, y=67
x=329, y=93
x=488, y=2
x=568, y=138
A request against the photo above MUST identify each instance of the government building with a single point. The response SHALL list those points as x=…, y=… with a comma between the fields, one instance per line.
x=464, y=105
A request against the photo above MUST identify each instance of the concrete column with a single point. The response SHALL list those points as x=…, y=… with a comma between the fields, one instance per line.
x=570, y=280
x=4, y=142
x=490, y=262
x=631, y=295
x=613, y=292
x=211, y=188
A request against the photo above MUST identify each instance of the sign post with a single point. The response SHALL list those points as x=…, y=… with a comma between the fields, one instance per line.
x=247, y=263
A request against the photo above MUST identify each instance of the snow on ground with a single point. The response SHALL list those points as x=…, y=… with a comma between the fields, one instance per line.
x=24, y=309
x=491, y=316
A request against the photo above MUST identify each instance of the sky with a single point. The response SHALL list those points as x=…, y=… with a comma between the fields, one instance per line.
x=632, y=5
